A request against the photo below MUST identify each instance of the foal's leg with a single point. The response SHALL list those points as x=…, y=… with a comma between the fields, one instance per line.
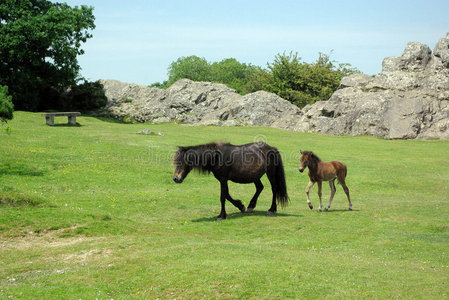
x=320, y=185
x=253, y=202
x=333, y=190
x=345, y=188
x=309, y=186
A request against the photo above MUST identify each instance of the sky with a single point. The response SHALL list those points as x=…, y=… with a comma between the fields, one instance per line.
x=135, y=41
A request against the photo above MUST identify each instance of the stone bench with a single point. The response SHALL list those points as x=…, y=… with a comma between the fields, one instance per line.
x=50, y=117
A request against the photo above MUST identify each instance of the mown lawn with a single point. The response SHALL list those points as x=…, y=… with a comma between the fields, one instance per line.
x=92, y=212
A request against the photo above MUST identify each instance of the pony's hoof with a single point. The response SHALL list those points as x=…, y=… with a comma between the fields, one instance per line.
x=270, y=213
x=242, y=209
x=310, y=206
x=326, y=209
x=250, y=209
x=319, y=210
x=350, y=208
x=220, y=219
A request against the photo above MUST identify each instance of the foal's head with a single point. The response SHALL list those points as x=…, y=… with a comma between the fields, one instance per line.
x=182, y=164
x=308, y=159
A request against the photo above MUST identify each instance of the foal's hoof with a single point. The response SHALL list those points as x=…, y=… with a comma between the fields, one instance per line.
x=350, y=208
x=250, y=209
x=326, y=209
x=270, y=213
x=220, y=219
x=242, y=208
x=319, y=210
x=310, y=206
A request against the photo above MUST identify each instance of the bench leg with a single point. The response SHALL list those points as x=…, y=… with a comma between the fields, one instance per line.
x=72, y=120
x=50, y=120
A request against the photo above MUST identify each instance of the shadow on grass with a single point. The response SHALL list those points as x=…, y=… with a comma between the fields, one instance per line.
x=108, y=119
x=16, y=200
x=237, y=215
x=19, y=170
x=66, y=125
x=340, y=210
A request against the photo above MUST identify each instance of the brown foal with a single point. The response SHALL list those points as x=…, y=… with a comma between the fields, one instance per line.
x=320, y=171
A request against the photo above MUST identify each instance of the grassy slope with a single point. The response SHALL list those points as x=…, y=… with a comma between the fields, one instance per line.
x=91, y=211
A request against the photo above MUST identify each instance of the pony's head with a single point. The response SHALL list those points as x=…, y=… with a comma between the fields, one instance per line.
x=307, y=158
x=182, y=164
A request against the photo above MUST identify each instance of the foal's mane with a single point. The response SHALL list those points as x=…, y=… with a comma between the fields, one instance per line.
x=199, y=157
x=313, y=164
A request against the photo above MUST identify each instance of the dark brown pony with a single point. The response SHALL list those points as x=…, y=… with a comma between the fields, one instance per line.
x=320, y=171
x=241, y=164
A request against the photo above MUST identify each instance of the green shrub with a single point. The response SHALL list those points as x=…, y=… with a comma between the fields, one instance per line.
x=6, y=106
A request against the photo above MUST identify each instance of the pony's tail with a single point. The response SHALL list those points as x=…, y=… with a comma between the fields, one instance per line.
x=281, y=186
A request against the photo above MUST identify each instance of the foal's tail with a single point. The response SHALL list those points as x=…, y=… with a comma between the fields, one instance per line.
x=280, y=187
x=341, y=175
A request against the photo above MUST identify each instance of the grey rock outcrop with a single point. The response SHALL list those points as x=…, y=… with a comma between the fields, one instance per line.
x=409, y=99
x=198, y=103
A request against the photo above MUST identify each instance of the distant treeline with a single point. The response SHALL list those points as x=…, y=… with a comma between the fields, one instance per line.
x=287, y=76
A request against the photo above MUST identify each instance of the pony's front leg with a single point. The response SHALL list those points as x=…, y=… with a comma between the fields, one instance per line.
x=224, y=192
x=236, y=203
x=309, y=186
x=320, y=185
x=253, y=202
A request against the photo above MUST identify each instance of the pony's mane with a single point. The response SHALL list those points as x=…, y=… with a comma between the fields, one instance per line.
x=199, y=157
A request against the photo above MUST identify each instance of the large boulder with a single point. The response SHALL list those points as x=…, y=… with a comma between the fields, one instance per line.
x=409, y=99
x=198, y=103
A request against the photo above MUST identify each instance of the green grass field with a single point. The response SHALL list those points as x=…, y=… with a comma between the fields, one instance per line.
x=92, y=212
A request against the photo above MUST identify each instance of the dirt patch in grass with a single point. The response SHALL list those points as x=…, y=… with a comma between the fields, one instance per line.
x=44, y=239
x=86, y=255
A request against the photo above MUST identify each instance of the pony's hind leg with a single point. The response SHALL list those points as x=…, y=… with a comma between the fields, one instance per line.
x=333, y=190
x=272, y=179
x=253, y=202
x=309, y=186
x=223, y=194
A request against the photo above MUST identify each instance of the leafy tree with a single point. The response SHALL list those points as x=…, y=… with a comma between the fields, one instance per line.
x=191, y=67
x=39, y=44
x=88, y=95
x=6, y=106
x=162, y=85
x=302, y=83
x=234, y=74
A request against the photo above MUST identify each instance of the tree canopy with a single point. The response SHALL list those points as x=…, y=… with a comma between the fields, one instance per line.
x=287, y=76
x=39, y=44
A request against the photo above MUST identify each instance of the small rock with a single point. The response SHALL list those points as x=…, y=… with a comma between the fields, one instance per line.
x=146, y=131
